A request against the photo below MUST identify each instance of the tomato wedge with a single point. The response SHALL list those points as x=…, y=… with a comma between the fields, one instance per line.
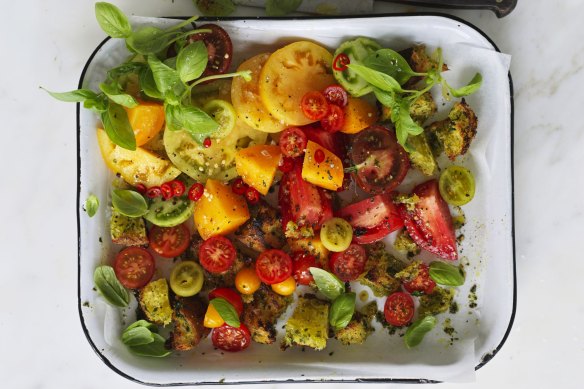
x=169, y=242
x=230, y=295
x=217, y=254
x=231, y=339
x=372, y=219
x=420, y=282
x=381, y=163
x=273, y=266
x=302, y=262
x=134, y=267
x=349, y=264
x=219, y=48
x=399, y=309
x=293, y=142
x=430, y=223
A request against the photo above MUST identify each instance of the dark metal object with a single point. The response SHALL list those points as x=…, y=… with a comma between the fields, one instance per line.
x=499, y=7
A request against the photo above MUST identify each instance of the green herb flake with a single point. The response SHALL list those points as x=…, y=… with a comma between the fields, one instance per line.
x=91, y=205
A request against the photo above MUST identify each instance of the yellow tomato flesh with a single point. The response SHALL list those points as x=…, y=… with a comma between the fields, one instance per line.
x=286, y=287
x=212, y=318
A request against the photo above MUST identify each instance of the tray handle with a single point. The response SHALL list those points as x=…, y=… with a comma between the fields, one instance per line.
x=500, y=7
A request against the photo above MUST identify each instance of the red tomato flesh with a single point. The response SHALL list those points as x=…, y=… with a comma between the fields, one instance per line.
x=273, y=266
x=219, y=48
x=231, y=339
x=169, y=242
x=421, y=282
x=293, y=142
x=301, y=264
x=134, y=267
x=349, y=264
x=230, y=295
x=399, y=309
x=217, y=254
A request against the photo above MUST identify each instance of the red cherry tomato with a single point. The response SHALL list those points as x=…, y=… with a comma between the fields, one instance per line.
x=286, y=165
x=293, y=142
x=238, y=186
x=217, y=254
x=334, y=119
x=230, y=295
x=340, y=62
x=166, y=191
x=219, y=48
x=169, y=242
x=421, y=281
x=301, y=263
x=231, y=339
x=178, y=188
x=314, y=105
x=399, y=309
x=196, y=191
x=335, y=94
x=153, y=192
x=273, y=266
x=134, y=267
x=349, y=264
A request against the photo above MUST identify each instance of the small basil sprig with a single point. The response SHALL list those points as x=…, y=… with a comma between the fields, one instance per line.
x=112, y=20
x=226, y=311
x=115, y=94
x=109, y=287
x=416, y=332
x=327, y=283
x=91, y=205
x=375, y=78
x=215, y=7
x=446, y=274
x=391, y=63
x=192, y=61
x=142, y=339
x=342, y=310
x=473, y=85
x=129, y=203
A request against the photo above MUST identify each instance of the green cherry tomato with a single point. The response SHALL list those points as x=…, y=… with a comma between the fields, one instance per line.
x=336, y=234
x=224, y=114
x=457, y=185
x=186, y=278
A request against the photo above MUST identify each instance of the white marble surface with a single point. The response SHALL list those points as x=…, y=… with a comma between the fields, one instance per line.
x=47, y=43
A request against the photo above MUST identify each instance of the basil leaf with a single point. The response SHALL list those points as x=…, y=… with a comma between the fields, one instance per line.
x=470, y=88
x=215, y=7
x=446, y=274
x=118, y=129
x=129, y=203
x=75, y=96
x=150, y=40
x=192, y=61
x=391, y=63
x=166, y=78
x=416, y=332
x=226, y=311
x=99, y=105
x=154, y=349
x=124, y=69
x=148, y=85
x=342, y=310
x=191, y=119
x=137, y=336
x=118, y=96
x=378, y=79
x=281, y=7
x=327, y=283
x=112, y=20
x=109, y=287
x=143, y=323
x=91, y=205
x=385, y=98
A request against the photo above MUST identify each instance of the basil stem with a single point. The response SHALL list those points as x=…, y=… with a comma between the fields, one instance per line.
x=109, y=287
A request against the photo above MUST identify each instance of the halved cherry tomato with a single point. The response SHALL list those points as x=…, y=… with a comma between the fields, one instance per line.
x=219, y=48
x=372, y=219
x=230, y=295
x=178, y=188
x=334, y=119
x=273, y=266
x=293, y=142
x=286, y=287
x=420, y=281
x=247, y=281
x=212, y=318
x=187, y=278
x=430, y=224
x=381, y=162
x=336, y=234
x=134, y=267
x=302, y=262
x=231, y=339
x=349, y=264
x=399, y=309
x=217, y=254
x=238, y=186
x=314, y=105
x=335, y=94
x=169, y=242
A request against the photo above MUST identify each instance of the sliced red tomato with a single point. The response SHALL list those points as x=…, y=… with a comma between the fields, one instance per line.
x=301, y=263
x=230, y=295
x=169, y=242
x=217, y=254
x=178, y=188
x=335, y=94
x=381, y=163
x=430, y=224
x=399, y=309
x=293, y=142
x=348, y=265
x=372, y=219
x=231, y=339
x=334, y=119
x=134, y=267
x=314, y=105
x=219, y=48
x=273, y=266
x=335, y=142
x=420, y=282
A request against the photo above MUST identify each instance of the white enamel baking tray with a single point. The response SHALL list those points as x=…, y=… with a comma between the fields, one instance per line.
x=488, y=247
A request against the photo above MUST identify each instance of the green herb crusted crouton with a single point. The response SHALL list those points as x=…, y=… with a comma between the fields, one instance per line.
x=262, y=312
x=155, y=302
x=127, y=231
x=308, y=325
x=359, y=328
x=405, y=244
x=187, y=316
x=380, y=270
x=437, y=302
x=457, y=132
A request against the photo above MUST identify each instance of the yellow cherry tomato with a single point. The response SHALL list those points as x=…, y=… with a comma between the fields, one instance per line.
x=247, y=281
x=336, y=234
x=286, y=287
x=212, y=318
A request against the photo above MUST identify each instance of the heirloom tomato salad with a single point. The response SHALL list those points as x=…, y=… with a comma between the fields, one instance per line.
x=273, y=184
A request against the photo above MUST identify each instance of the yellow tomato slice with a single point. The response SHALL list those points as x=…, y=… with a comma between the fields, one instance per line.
x=291, y=72
x=336, y=234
